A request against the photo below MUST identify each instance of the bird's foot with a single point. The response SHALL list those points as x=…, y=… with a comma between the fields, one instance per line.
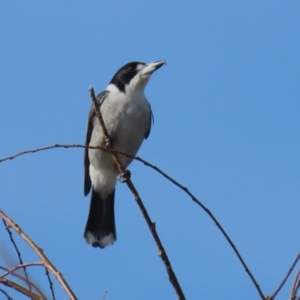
x=124, y=177
x=108, y=142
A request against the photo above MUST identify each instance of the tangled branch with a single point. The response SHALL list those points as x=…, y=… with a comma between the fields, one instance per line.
x=47, y=263
x=151, y=225
x=33, y=285
x=146, y=163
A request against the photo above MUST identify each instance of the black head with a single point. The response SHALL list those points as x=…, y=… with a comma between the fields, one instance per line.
x=125, y=74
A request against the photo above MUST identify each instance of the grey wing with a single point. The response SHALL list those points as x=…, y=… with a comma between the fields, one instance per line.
x=151, y=120
x=90, y=127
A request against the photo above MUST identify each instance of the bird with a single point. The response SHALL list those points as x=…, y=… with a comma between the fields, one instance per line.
x=127, y=117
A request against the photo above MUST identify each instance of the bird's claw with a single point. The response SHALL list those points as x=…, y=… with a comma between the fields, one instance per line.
x=108, y=142
x=124, y=177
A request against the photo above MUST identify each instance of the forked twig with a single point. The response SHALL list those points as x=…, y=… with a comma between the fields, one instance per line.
x=151, y=225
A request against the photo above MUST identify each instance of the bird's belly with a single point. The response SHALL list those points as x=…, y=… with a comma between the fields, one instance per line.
x=130, y=133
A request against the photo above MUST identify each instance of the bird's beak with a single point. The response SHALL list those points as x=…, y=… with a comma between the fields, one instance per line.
x=151, y=67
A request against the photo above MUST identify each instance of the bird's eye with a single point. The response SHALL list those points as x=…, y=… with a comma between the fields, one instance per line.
x=130, y=69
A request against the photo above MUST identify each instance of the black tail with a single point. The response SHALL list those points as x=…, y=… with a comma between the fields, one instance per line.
x=100, y=229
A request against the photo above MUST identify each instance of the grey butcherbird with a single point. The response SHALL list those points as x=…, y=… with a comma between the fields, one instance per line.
x=127, y=116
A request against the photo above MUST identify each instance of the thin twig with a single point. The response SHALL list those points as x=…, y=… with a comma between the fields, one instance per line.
x=285, y=278
x=41, y=255
x=21, y=289
x=297, y=286
x=11, y=157
x=105, y=132
x=151, y=225
x=18, y=253
x=21, y=266
x=50, y=283
x=34, y=286
x=296, y=283
x=4, y=292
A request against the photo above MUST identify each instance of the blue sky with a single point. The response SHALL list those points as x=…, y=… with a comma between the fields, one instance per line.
x=226, y=110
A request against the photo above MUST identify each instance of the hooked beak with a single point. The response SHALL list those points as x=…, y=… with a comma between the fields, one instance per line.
x=152, y=67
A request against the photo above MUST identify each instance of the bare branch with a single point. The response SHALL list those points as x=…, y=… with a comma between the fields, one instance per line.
x=41, y=255
x=20, y=289
x=151, y=225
